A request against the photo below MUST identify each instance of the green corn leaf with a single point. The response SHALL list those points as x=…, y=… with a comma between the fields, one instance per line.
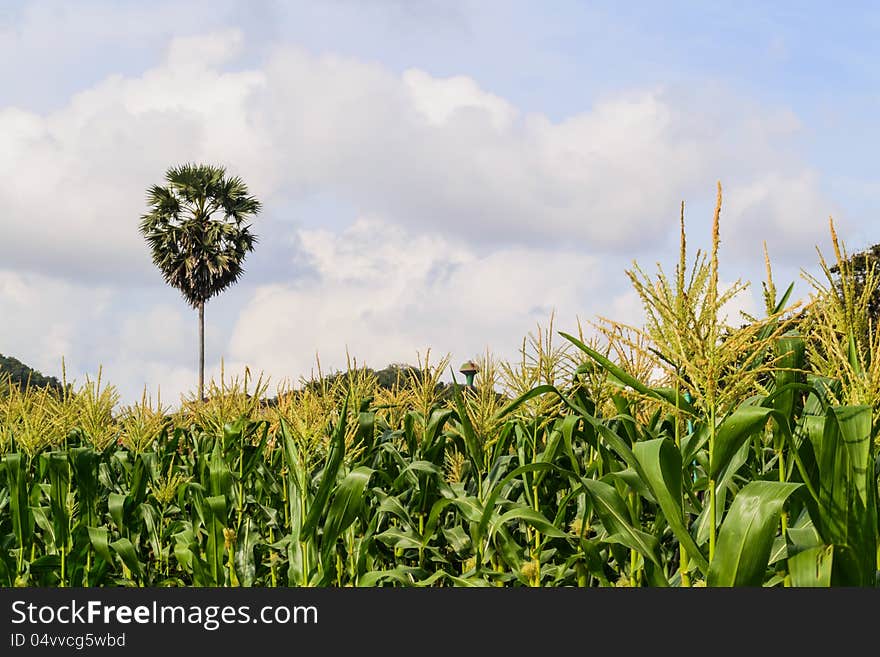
x=746, y=535
x=42, y=516
x=784, y=299
x=253, y=454
x=489, y=506
x=403, y=575
x=247, y=538
x=292, y=460
x=434, y=515
x=661, y=463
x=853, y=355
x=529, y=516
x=19, y=507
x=472, y=443
x=854, y=423
x=812, y=567
x=614, y=515
x=347, y=505
x=59, y=481
x=100, y=540
x=733, y=432
x=458, y=539
x=568, y=427
x=632, y=479
x=366, y=429
x=124, y=548
x=618, y=444
x=392, y=504
x=151, y=524
x=791, y=356
x=434, y=429
x=331, y=469
x=116, y=506
x=399, y=538
x=845, y=510
x=220, y=480
x=215, y=523
x=85, y=477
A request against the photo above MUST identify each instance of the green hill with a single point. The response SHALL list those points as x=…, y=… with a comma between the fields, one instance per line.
x=12, y=369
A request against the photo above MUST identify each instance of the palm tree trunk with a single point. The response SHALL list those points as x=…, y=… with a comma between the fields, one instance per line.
x=201, y=350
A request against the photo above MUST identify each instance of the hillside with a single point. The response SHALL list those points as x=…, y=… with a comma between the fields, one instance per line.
x=20, y=374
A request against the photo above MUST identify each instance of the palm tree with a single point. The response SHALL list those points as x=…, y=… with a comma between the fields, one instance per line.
x=198, y=234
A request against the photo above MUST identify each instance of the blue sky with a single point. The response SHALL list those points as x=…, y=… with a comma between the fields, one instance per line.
x=506, y=159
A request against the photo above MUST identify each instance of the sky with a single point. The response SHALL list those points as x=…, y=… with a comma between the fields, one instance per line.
x=435, y=175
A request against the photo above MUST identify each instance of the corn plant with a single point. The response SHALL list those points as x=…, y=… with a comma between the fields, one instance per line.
x=689, y=451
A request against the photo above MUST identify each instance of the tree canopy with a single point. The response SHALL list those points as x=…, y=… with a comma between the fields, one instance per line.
x=197, y=229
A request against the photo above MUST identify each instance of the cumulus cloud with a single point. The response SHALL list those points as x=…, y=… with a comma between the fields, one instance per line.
x=465, y=219
x=443, y=155
x=44, y=318
x=74, y=180
x=383, y=294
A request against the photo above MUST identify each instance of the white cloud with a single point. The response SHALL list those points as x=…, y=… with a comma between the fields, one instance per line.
x=45, y=319
x=74, y=181
x=438, y=100
x=442, y=155
x=477, y=219
x=785, y=209
x=385, y=294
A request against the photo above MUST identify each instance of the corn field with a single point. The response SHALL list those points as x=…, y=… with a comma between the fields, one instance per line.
x=689, y=451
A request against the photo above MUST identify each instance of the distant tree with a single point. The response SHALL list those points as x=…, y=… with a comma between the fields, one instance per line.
x=388, y=378
x=397, y=373
x=198, y=232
